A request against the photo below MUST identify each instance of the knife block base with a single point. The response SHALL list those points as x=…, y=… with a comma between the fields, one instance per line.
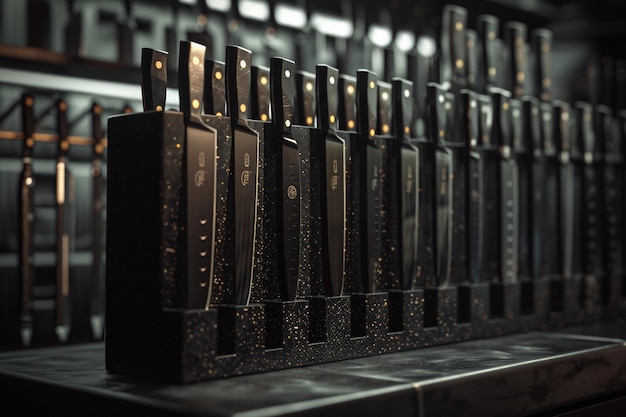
x=440, y=315
x=473, y=308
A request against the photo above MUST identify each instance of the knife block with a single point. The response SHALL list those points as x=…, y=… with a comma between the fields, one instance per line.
x=473, y=309
x=440, y=315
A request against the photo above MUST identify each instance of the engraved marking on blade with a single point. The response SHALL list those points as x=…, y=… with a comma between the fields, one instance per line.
x=409, y=180
x=375, y=179
x=292, y=192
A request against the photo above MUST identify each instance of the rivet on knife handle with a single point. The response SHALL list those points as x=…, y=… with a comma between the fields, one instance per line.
x=153, y=79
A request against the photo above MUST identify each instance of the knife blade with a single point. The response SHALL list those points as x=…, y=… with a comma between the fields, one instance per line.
x=515, y=35
x=200, y=173
x=506, y=203
x=390, y=257
x=215, y=96
x=153, y=79
x=602, y=127
x=63, y=302
x=453, y=47
x=441, y=104
x=332, y=157
x=370, y=192
x=97, y=226
x=563, y=137
x=474, y=225
x=246, y=168
x=305, y=98
x=542, y=49
x=578, y=162
x=27, y=219
x=283, y=90
x=403, y=165
x=260, y=107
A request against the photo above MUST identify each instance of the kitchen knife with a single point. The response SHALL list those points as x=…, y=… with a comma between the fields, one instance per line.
x=515, y=35
x=283, y=90
x=246, y=168
x=330, y=151
x=27, y=220
x=153, y=79
x=542, y=49
x=63, y=302
x=403, y=180
x=370, y=192
x=305, y=98
x=97, y=222
x=260, y=107
x=563, y=138
x=215, y=87
x=491, y=51
x=200, y=173
x=441, y=105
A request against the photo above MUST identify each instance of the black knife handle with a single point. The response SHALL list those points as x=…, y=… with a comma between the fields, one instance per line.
x=347, y=98
x=214, y=87
x=471, y=43
x=153, y=79
x=516, y=33
x=385, y=107
x=517, y=131
x=547, y=129
x=63, y=144
x=191, y=80
x=402, y=93
x=305, y=98
x=585, y=133
x=485, y=120
x=562, y=132
x=501, y=121
x=238, y=83
x=441, y=104
x=542, y=47
x=260, y=93
x=454, y=49
x=327, y=90
x=28, y=124
x=283, y=92
x=532, y=126
x=488, y=27
x=366, y=102
x=471, y=119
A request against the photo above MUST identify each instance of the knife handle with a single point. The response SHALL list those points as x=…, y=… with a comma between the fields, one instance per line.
x=305, y=95
x=327, y=91
x=62, y=128
x=488, y=27
x=441, y=104
x=516, y=33
x=585, y=134
x=471, y=119
x=471, y=43
x=28, y=124
x=260, y=94
x=402, y=93
x=283, y=92
x=96, y=129
x=454, y=50
x=531, y=125
x=238, y=83
x=385, y=107
x=547, y=128
x=347, y=98
x=366, y=102
x=153, y=79
x=191, y=80
x=501, y=121
x=517, y=134
x=215, y=87
x=485, y=119
x=542, y=46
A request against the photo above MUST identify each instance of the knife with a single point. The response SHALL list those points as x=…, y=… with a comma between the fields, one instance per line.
x=551, y=238
x=305, y=98
x=331, y=152
x=471, y=134
x=283, y=90
x=542, y=46
x=515, y=34
x=453, y=47
x=534, y=143
x=246, y=168
x=403, y=165
x=200, y=172
x=27, y=219
x=563, y=138
x=491, y=51
x=441, y=104
x=347, y=105
x=63, y=302
x=215, y=97
x=370, y=192
x=260, y=107
x=97, y=208
x=153, y=79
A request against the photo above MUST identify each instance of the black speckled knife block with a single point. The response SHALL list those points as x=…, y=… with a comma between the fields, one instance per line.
x=150, y=334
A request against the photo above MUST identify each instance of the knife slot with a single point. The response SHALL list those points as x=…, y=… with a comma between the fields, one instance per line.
x=431, y=307
x=358, y=316
x=226, y=331
x=527, y=301
x=317, y=319
x=496, y=301
x=274, y=319
x=464, y=304
x=557, y=301
x=396, y=311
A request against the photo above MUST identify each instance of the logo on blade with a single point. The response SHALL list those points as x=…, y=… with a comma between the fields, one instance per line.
x=199, y=177
x=292, y=192
x=245, y=178
x=409, y=181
